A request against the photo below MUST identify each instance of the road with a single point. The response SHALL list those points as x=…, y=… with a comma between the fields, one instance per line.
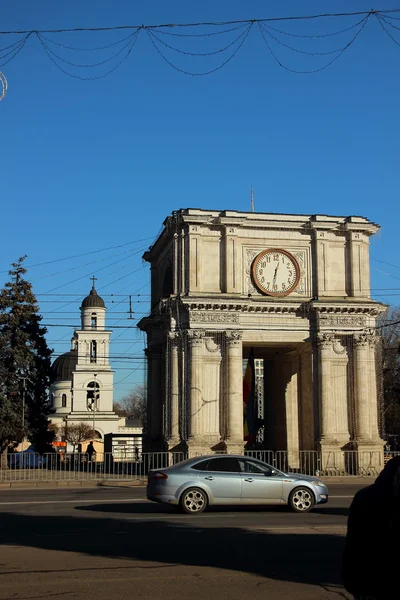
x=106, y=543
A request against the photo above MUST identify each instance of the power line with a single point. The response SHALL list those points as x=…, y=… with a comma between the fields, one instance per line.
x=243, y=26
x=204, y=23
x=49, y=262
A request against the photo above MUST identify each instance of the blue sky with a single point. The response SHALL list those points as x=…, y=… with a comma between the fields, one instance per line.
x=89, y=165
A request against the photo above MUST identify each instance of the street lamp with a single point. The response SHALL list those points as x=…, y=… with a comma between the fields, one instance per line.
x=22, y=376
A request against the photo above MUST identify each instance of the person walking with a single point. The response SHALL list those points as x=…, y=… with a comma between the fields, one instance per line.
x=370, y=559
x=90, y=451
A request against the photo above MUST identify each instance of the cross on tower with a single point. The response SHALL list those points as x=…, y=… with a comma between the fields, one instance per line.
x=93, y=280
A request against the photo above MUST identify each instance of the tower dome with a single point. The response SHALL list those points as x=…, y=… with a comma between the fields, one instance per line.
x=93, y=300
x=63, y=367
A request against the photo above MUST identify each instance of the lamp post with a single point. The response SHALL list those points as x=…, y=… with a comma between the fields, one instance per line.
x=23, y=379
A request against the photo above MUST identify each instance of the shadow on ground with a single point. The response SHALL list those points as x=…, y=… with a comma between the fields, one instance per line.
x=293, y=557
x=165, y=509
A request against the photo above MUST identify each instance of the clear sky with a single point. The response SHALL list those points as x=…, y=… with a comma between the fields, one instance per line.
x=89, y=165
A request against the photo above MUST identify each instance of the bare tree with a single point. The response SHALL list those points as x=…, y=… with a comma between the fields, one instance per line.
x=134, y=405
x=390, y=333
x=76, y=433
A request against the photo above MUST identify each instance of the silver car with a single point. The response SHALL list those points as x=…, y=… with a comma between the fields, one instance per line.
x=214, y=480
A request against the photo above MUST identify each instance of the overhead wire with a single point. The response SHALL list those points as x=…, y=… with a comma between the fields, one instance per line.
x=91, y=65
x=86, y=49
x=386, y=31
x=298, y=50
x=83, y=265
x=87, y=275
x=200, y=73
x=205, y=23
x=48, y=262
x=316, y=36
x=155, y=32
x=317, y=70
x=199, y=35
x=124, y=58
x=14, y=53
x=212, y=53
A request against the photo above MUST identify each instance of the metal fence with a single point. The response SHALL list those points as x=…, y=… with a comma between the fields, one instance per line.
x=29, y=466
x=76, y=466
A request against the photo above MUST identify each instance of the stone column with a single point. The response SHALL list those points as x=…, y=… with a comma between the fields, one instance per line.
x=173, y=439
x=369, y=444
x=361, y=387
x=334, y=429
x=306, y=412
x=235, y=442
x=196, y=442
x=175, y=272
x=290, y=367
x=373, y=391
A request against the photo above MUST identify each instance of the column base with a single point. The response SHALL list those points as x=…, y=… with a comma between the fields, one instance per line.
x=370, y=456
x=332, y=457
x=234, y=447
x=200, y=446
x=173, y=443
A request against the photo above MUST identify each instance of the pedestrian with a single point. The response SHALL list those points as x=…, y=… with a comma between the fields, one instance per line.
x=370, y=560
x=90, y=451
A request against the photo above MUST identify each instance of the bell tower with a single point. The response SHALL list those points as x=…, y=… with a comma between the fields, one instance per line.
x=92, y=382
x=84, y=380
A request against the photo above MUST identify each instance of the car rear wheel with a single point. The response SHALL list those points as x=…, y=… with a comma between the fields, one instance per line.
x=194, y=501
x=301, y=500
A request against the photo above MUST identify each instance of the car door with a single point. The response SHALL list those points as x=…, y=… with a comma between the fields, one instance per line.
x=260, y=483
x=224, y=479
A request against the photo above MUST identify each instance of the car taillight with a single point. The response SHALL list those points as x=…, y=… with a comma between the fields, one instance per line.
x=159, y=475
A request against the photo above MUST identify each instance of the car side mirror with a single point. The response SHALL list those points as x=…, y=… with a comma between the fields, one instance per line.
x=272, y=472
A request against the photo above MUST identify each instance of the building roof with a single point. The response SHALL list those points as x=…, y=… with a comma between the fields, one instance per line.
x=64, y=365
x=93, y=300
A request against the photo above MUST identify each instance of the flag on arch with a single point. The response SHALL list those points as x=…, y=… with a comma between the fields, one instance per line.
x=249, y=405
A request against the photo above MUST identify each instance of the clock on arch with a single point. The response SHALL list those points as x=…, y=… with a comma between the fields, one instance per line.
x=275, y=272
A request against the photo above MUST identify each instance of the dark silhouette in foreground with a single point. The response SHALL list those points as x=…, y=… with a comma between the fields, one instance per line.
x=371, y=556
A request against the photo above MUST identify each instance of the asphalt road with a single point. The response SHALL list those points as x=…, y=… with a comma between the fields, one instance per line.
x=106, y=543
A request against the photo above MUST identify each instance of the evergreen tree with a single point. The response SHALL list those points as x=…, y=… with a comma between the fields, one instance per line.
x=23, y=354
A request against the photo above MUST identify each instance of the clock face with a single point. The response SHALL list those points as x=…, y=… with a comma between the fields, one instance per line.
x=276, y=272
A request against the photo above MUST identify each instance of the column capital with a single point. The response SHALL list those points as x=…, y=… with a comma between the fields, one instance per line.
x=325, y=340
x=233, y=338
x=365, y=339
x=174, y=337
x=195, y=337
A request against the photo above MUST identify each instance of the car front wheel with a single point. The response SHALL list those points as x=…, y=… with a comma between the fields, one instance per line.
x=194, y=501
x=301, y=500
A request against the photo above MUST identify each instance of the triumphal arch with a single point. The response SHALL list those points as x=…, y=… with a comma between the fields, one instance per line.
x=292, y=289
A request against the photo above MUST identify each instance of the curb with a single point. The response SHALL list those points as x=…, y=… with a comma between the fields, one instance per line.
x=68, y=484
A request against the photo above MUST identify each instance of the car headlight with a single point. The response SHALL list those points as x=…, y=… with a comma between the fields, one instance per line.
x=320, y=483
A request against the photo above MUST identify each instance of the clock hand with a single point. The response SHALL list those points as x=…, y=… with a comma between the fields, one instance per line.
x=276, y=272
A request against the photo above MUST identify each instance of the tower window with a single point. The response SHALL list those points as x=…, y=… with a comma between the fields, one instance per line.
x=93, y=351
x=93, y=321
x=93, y=395
x=64, y=400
